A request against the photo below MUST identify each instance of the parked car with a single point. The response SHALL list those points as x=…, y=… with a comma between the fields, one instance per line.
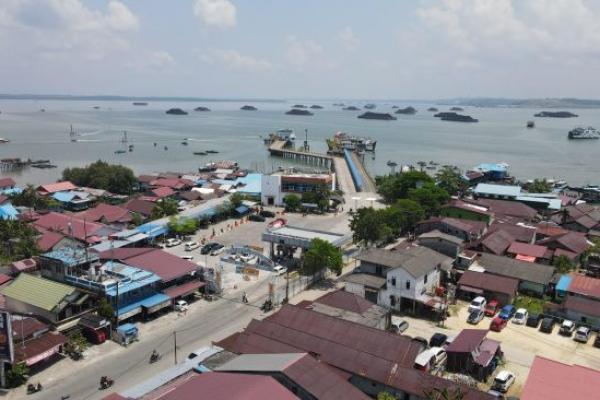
x=521, y=316
x=181, y=305
x=439, y=355
x=437, y=339
x=478, y=303
x=189, y=258
x=172, y=242
x=567, y=328
x=534, y=320
x=256, y=218
x=547, y=325
x=498, y=323
x=207, y=248
x=279, y=270
x=475, y=317
x=507, y=312
x=492, y=308
x=503, y=381
x=247, y=257
x=582, y=334
x=267, y=214
x=189, y=246
x=421, y=340
x=424, y=361
x=398, y=325
x=217, y=249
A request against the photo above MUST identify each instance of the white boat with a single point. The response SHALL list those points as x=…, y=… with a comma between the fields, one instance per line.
x=584, y=133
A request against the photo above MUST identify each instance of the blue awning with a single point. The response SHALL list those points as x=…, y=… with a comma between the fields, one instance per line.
x=153, y=230
x=155, y=300
x=563, y=283
x=242, y=210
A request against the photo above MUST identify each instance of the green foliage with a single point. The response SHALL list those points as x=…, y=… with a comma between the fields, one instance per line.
x=17, y=375
x=319, y=197
x=532, y=304
x=430, y=197
x=385, y=396
x=105, y=309
x=183, y=226
x=77, y=343
x=394, y=187
x=292, y=202
x=563, y=264
x=164, y=208
x=101, y=175
x=30, y=198
x=136, y=219
x=236, y=200
x=366, y=225
x=444, y=394
x=451, y=180
x=18, y=240
x=538, y=186
x=320, y=255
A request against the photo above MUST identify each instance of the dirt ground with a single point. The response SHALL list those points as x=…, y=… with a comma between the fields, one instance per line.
x=520, y=344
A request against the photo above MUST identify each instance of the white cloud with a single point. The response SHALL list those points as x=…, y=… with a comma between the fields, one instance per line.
x=305, y=54
x=120, y=17
x=234, y=60
x=161, y=59
x=218, y=13
x=348, y=39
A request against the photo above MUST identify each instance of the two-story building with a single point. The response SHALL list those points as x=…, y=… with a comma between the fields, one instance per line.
x=275, y=187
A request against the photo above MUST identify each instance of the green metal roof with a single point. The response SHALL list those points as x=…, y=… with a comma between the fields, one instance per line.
x=39, y=292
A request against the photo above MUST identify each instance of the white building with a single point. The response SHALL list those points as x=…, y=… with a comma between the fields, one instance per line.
x=275, y=187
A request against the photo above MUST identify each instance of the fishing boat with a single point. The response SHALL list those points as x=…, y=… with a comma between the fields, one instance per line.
x=120, y=152
x=166, y=148
x=530, y=124
x=130, y=147
x=3, y=140
x=212, y=151
x=185, y=143
x=200, y=153
x=73, y=135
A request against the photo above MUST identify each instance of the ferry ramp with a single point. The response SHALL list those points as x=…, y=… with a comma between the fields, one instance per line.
x=344, y=178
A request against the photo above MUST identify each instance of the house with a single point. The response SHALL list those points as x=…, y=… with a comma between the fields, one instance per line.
x=580, y=217
x=176, y=184
x=73, y=227
x=38, y=346
x=520, y=232
x=139, y=206
x=504, y=209
x=534, y=279
x=492, y=287
x=364, y=285
x=465, y=210
x=497, y=242
x=571, y=245
x=275, y=187
x=501, y=192
x=52, y=301
x=530, y=252
x=74, y=200
x=8, y=212
x=162, y=192
x=7, y=183
x=553, y=380
x=441, y=242
x=107, y=214
x=300, y=373
x=351, y=307
x=26, y=265
x=373, y=360
x=412, y=275
x=49, y=189
x=493, y=171
x=49, y=240
x=473, y=354
x=467, y=230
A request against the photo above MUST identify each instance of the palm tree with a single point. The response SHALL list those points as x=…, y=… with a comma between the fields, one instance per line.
x=444, y=394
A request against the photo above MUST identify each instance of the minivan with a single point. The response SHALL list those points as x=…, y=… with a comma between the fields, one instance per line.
x=478, y=303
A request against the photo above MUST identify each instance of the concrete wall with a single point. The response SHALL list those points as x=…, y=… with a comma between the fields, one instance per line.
x=270, y=186
x=417, y=286
x=441, y=246
x=531, y=288
x=355, y=288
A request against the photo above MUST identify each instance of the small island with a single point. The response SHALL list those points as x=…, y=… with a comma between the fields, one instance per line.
x=140, y=103
x=351, y=108
x=297, y=111
x=452, y=116
x=176, y=111
x=248, y=108
x=408, y=110
x=370, y=106
x=375, y=115
x=298, y=106
x=316, y=107
x=338, y=104
x=432, y=109
x=395, y=107
x=201, y=109
x=555, y=114
x=457, y=109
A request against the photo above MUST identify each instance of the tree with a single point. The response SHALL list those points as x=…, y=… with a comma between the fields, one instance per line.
x=403, y=215
x=430, y=197
x=101, y=175
x=366, y=225
x=394, y=187
x=105, y=309
x=320, y=197
x=538, y=186
x=19, y=240
x=76, y=345
x=321, y=255
x=563, y=264
x=385, y=396
x=183, y=226
x=29, y=198
x=136, y=219
x=17, y=374
x=444, y=394
x=450, y=179
x=292, y=202
x=164, y=208
x=236, y=200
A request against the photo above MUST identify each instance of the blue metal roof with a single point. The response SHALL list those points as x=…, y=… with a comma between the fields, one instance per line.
x=153, y=229
x=130, y=278
x=155, y=300
x=126, y=328
x=7, y=211
x=563, y=283
x=15, y=190
x=491, y=167
x=498, y=190
x=242, y=209
x=71, y=256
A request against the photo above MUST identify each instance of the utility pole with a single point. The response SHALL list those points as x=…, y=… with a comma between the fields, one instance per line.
x=175, y=345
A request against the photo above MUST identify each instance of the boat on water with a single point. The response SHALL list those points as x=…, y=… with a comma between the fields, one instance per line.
x=140, y=103
x=584, y=133
x=185, y=143
x=345, y=141
x=130, y=147
x=43, y=165
x=200, y=153
x=120, y=152
x=73, y=134
x=212, y=152
x=530, y=124
x=3, y=140
x=124, y=138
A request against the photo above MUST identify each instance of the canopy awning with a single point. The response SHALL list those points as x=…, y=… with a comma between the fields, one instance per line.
x=183, y=290
x=471, y=289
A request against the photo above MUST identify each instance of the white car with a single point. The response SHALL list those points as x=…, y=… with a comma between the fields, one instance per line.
x=217, y=249
x=171, y=242
x=582, y=335
x=247, y=257
x=439, y=354
x=191, y=246
x=503, y=381
x=520, y=316
x=279, y=270
x=398, y=324
x=181, y=305
x=478, y=303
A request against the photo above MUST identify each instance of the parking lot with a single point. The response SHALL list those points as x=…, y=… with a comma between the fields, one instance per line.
x=519, y=343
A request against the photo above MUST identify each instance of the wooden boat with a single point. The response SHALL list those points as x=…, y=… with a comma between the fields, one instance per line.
x=200, y=153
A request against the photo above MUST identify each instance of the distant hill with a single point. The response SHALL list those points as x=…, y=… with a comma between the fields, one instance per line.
x=9, y=96
x=524, y=103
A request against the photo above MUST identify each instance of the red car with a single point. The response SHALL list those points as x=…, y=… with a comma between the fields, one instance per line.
x=491, y=309
x=498, y=324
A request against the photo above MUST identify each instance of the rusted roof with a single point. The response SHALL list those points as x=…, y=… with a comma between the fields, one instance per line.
x=520, y=233
x=57, y=187
x=6, y=182
x=573, y=241
x=498, y=242
x=489, y=282
x=143, y=207
x=48, y=240
x=346, y=301
x=162, y=192
x=582, y=305
x=72, y=226
x=183, y=289
x=39, y=346
x=470, y=207
x=26, y=327
x=509, y=208
x=584, y=285
x=526, y=249
x=106, y=213
x=467, y=340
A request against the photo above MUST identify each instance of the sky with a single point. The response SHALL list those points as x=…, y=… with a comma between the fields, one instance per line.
x=369, y=49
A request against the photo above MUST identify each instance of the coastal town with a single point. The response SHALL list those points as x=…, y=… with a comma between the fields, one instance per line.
x=316, y=281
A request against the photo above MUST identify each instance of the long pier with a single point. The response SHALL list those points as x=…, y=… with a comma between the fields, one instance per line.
x=278, y=148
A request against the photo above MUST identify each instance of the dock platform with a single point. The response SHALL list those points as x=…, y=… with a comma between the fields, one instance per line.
x=278, y=148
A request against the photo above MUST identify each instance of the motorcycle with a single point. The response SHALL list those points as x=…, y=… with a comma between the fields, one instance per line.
x=106, y=382
x=267, y=306
x=155, y=357
x=31, y=388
